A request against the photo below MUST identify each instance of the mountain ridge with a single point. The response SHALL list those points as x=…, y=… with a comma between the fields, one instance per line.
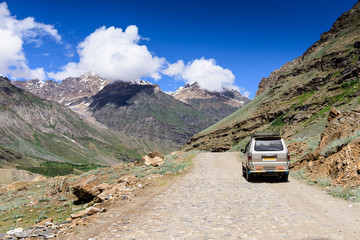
x=297, y=98
x=120, y=102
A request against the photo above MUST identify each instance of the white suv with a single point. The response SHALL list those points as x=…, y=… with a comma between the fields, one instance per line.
x=266, y=154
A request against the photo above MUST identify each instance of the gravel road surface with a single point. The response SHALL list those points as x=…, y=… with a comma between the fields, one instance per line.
x=214, y=201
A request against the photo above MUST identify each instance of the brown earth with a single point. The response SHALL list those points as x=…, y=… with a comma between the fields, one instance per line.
x=338, y=154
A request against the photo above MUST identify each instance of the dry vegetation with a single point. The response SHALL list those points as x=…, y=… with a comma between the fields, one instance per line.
x=25, y=203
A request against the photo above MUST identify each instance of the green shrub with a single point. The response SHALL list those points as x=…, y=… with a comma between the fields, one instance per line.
x=324, y=181
x=44, y=200
x=62, y=199
x=53, y=169
x=339, y=192
x=302, y=174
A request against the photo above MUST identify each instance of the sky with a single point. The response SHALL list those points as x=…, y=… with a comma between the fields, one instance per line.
x=217, y=43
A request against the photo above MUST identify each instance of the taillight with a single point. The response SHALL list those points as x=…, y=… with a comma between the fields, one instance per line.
x=249, y=156
x=288, y=156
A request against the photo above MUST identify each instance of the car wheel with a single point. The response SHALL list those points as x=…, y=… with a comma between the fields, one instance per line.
x=243, y=171
x=285, y=177
x=248, y=176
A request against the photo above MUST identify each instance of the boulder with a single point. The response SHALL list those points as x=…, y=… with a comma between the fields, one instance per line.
x=128, y=179
x=103, y=186
x=113, y=191
x=86, y=189
x=49, y=220
x=87, y=212
x=154, y=159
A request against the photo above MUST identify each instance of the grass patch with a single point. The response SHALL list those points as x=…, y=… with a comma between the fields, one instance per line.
x=323, y=181
x=302, y=174
x=32, y=206
x=52, y=169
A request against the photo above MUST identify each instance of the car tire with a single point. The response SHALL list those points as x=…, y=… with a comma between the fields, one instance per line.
x=248, y=176
x=243, y=171
x=285, y=177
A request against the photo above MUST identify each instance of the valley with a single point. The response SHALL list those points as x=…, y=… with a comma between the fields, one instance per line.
x=140, y=109
x=93, y=158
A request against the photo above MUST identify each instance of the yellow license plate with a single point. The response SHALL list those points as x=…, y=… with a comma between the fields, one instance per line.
x=269, y=159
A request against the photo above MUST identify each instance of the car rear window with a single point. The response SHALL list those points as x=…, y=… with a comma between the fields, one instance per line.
x=268, y=145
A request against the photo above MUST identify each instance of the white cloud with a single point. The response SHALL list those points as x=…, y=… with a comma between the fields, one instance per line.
x=203, y=71
x=174, y=69
x=246, y=94
x=113, y=54
x=13, y=34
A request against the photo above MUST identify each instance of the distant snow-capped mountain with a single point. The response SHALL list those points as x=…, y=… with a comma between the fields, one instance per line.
x=69, y=91
x=193, y=93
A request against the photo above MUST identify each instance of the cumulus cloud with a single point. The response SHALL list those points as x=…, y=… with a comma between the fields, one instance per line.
x=205, y=72
x=174, y=69
x=113, y=54
x=13, y=34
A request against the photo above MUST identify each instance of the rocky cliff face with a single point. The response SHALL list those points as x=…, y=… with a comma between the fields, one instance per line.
x=296, y=99
x=266, y=83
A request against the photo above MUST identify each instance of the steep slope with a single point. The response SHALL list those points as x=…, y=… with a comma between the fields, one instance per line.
x=144, y=111
x=297, y=98
x=34, y=131
x=217, y=105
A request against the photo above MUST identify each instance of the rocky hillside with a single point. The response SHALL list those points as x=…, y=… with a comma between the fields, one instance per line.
x=297, y=98
x=215, y=104
x=141, y=109
x=35, y=132
x=146, y=112
x=338, y=154
x=69, y=91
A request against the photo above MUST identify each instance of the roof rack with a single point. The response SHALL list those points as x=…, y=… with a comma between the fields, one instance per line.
x=266, y=134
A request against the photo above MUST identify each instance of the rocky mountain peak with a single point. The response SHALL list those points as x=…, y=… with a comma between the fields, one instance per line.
x=69, y=91
x=228, y=96
x=266, y=83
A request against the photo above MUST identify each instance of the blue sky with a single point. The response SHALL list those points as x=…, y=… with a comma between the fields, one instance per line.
x=238, y=42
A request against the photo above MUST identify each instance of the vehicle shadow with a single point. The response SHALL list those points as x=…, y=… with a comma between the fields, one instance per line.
x=268, y=179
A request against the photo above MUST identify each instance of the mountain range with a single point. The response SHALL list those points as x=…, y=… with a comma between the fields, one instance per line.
x=140, y=109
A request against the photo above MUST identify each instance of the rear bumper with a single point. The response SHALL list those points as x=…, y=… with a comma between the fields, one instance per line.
x=269, y=171
x=269, y=167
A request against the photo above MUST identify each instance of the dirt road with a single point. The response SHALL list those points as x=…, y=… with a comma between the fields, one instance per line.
x=214, y=201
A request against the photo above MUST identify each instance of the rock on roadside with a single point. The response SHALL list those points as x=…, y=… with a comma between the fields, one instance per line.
x=154, y=159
